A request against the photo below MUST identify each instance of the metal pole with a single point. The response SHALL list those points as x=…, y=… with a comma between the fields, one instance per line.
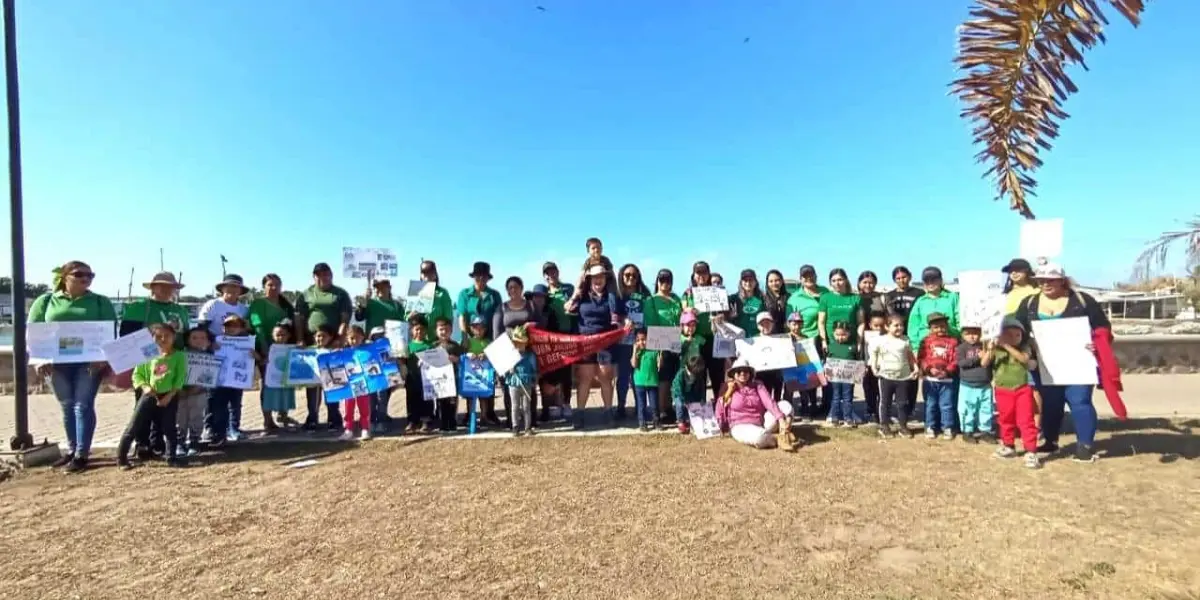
x=22, y=439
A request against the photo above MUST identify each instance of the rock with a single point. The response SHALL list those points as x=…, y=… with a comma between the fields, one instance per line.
x=1133, y=330
x=1185, y=328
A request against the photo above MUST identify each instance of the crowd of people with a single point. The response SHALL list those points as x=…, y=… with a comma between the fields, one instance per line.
x=910, y=339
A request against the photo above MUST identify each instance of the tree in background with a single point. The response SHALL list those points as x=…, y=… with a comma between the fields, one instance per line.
x=1014, y=55
x=1154, y=257
x=32, y=290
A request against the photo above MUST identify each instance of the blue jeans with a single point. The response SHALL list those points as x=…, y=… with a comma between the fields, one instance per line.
x=681, y=412
x=842, y=407
x=622, y=355
x=645, y=402
x=222, y=402
x=76, y=386
x=939, y=404
x=1079, y=398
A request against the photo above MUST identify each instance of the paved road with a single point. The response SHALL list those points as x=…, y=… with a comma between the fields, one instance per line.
x=1145, y=396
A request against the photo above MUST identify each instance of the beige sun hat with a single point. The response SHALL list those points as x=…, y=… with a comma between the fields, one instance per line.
x=163, y=278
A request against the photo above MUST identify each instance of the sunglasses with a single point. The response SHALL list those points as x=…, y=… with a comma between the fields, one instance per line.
x=629, y=275
x=82, y=275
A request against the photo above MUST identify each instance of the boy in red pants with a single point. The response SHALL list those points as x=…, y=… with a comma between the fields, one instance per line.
x=1015, y=406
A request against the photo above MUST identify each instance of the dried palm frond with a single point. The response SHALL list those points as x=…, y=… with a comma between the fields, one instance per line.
x=1154, y=257
x=1014, y=54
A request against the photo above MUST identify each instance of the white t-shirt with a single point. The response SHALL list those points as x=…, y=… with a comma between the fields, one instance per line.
x=890, y=357
x=214, y=311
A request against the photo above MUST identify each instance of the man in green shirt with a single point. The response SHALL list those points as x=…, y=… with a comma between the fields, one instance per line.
x=159, y=307
x=322, y=304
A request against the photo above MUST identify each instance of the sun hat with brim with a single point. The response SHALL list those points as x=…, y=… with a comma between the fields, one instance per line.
x=595, y=270
x=481, y=269
x=1049, y=271
x=1016, y=265
x=740, y=364
x=232, y=279
x=163, y=278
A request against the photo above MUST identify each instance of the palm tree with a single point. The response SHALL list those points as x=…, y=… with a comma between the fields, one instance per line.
x=1013, y=55
x=1154, y=257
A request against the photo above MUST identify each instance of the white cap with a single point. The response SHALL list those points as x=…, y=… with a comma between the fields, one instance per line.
x=1049, y=271
x=740, y=363
x=595, y=270
x=764, y=316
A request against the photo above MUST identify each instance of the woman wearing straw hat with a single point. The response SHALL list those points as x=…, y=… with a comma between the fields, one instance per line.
x=747, y=411
x=159, y=307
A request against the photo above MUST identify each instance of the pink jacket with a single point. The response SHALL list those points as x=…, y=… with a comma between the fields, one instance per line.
x=747, y=406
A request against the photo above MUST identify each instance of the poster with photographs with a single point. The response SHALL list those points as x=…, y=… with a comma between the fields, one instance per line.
x=336, y=368
x=203, y=369
x=379, y=368
x=66, y=342
x=361, y=263
x=237, y=361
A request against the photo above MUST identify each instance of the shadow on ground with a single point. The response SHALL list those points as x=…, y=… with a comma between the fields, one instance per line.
x=1170, y=439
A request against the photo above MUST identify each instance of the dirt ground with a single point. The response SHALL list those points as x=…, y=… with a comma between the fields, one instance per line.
x=659, y=516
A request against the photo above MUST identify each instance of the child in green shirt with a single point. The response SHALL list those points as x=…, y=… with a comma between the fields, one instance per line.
x=158, y=380
x=420, y=413
x=645, y=365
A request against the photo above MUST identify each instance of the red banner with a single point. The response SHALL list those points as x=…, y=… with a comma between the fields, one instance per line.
x=557, y=350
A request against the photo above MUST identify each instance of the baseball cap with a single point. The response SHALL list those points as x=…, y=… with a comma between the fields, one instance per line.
x=764, y=316
x=748, y=274
x=931, y=274
x=321, y=268
x=546, y=266
x=934, y=318
x=1049, y=271
x=378, y=331
x=687, y=317
x=476, y=320
x=795, y=317
x=1017, y=264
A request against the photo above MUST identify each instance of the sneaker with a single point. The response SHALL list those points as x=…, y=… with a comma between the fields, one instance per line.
x=63, y=461
x=930, y=434
x=365, y=435
x=1047, y=448
x=217, y=443
x=1084, y=454
x=684, y=428
x=192, y=452
x=412, y=427
x=124, y=464
x=518, y=433
x=346, y=436
x=76, y=465
x=335, y=426
x=233, y=435
x=566, y=413
x=309, y=426
x=532, y=431
x=895, y=421
x=1032, y=461
x=885, y=431
x=1005, y=452
x=948, y=435
x=379, y=428
x=428, y=428
x=829, y=422
x=644, y=427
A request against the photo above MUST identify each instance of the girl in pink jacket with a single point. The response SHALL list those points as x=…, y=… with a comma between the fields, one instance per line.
x=746, y=410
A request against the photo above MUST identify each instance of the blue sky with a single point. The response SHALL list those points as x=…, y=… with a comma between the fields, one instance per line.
x=275, y=132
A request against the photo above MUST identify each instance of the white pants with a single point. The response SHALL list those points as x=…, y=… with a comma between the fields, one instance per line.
x=761, y=436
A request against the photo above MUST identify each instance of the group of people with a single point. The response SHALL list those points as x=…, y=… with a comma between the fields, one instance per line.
x=910, y=339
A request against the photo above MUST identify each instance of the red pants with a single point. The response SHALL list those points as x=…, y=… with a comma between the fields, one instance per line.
x=1014, y=410
x=363, y=403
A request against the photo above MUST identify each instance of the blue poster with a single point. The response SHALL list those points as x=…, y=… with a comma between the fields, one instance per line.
x=380, y=370
x=302, y=368
x=477, y=378
x=341, y=376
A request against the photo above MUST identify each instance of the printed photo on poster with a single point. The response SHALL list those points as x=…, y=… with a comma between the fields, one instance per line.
x=127, y=352
x=710, y=299
x=66, y=342
x=203, y=369
x=302, y=369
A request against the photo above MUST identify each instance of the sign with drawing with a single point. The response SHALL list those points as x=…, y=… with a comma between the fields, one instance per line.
x=360, y=263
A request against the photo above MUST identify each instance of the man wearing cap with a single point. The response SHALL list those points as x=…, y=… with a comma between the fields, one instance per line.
x=159, y=307
x=936, y=299
x=479, y=300
x=557, y=295
x=441, y=308
x=228, y=302
x=322, y=303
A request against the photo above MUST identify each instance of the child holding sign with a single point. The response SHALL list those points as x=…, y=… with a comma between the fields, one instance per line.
x=158, y=380
x=355, y=336
x=192, y=400
x=841, y=411
x=645, y=364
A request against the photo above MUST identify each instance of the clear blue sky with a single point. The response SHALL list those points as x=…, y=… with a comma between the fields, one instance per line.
x=275, y=132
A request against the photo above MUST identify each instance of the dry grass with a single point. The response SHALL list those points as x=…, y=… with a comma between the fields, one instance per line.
x=633, y=517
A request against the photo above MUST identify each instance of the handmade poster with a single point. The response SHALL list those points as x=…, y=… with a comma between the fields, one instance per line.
x=375, y=360
x=67, y=342
x=237, y=363
x=638, y=318
x=808, y=373
x=1062, y=354
x=840, y=370
x=981, y=301
x=557, y=350
x=420, y=297
x=710, y=299
x=664, y=338
x=767, y=352
x=502, y=354
x=277, y=365
x=337, y=369
x=703, y=420
x=1041, y=239
x=398, y=337
x=477, y=378
x=360, y=263
x=725, y=338
x=127, y=352
x=437, y=374
x=302, y=368
x=203, y=369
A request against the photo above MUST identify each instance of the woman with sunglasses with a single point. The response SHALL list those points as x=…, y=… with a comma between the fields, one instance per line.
x=663, y=309
x=75, y=385
x=746, y=303
x=633, y=293
x=702, y=276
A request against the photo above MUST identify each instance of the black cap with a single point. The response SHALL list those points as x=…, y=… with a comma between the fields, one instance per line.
x=931, y=274
x=481, y=269
x=934, y=318
x=808, y=271
x=546, y=266
x=749, y=274
x=321, y=268
x=1018, y=264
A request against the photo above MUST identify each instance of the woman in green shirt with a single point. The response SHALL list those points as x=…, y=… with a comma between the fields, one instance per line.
x=263, y=315
x=443, y=308
x=840, y=305
x=745, y=305
x=633, y=293
x=75, y=385
x=663, y=310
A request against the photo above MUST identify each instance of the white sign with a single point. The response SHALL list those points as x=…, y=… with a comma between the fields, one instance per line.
x=725, y=337
x=66, y=342
x=1042, y=238
x=710, y=299
x=704, y=421
x=275, y=374
x=840, y=370
x=203, y=369
x=360, y=263
x=768, y=352
x=981, y=301
x=502, y=354
x=237, y=365
x=1062, y=354
x=125, y=353
x=664, y=338
x=398, y=336
x=438, y=382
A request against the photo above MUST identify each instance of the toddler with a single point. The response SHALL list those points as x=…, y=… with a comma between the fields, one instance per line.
x=191, y=401
x=1010, y=363
x=975, y=400
x=938, y=359
x=645, y=364
x=841, y=410
x=277, y=400
x=355, y=336
x=894, y=363
x=520, y=382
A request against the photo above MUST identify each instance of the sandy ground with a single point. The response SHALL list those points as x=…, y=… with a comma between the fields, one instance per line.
x=659, y=516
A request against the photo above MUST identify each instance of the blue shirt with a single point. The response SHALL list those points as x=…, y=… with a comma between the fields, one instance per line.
x=524, y=373
x=596, y=314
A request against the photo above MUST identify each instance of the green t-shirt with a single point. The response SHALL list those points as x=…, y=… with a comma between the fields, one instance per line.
x=663, y=311
x=320, y=307
x=646, y=373
x=476, y=345
x=263, y=315
x=839, y=307
x=1007, y=372
x=557, y=301
x=162, y=373
x=808, y=306
x=413, y=361
x=846, y=351
x=379, y=310
x=58, y=306
x=481, y=303
x=748, y=315
x=442, y=308
x=946, y=302
x=149, y=312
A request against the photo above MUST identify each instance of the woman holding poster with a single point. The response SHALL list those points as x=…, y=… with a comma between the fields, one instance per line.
x=599, y=311
x=75, y=385
x=442, y=308
x=1056, y=300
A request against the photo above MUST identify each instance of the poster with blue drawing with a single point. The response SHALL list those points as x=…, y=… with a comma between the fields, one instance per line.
x=380, y=371
x=302, y=369
x=341, y=376
x=477, y=378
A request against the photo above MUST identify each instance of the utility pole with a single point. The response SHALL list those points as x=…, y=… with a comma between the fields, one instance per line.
x=21, y=440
